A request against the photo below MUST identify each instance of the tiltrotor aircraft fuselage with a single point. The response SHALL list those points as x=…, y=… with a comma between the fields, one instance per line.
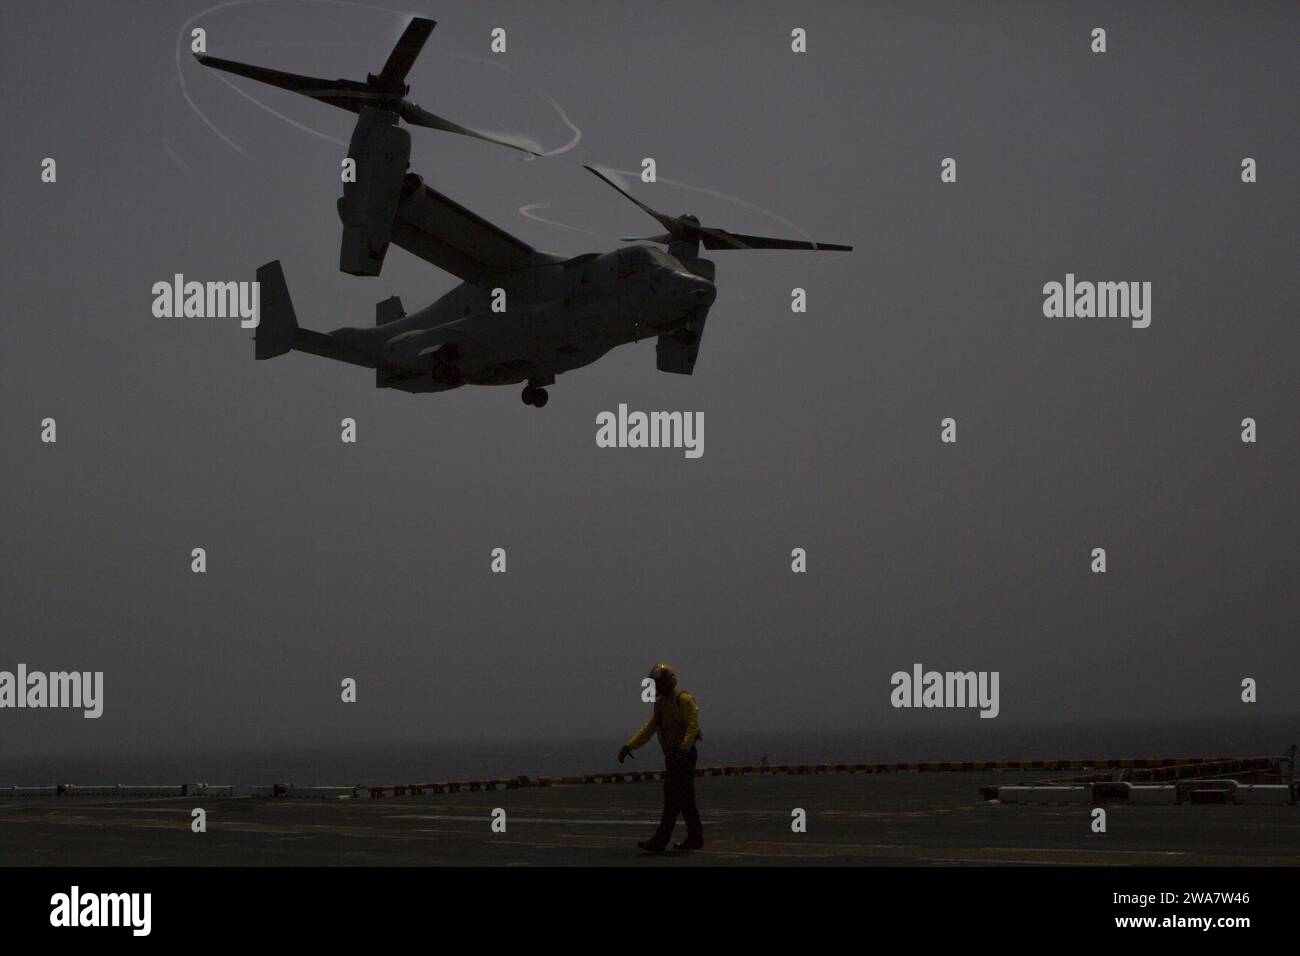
x=519, y=315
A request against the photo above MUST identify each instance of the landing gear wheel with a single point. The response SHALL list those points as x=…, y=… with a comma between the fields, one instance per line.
x=541, y=397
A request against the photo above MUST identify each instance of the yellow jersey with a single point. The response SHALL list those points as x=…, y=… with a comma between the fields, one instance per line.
x=676, y=719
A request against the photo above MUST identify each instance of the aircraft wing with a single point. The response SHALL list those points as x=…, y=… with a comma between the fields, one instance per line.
x=443, y=232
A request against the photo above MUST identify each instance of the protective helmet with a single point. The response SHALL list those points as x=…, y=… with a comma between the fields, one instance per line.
x=662, y=672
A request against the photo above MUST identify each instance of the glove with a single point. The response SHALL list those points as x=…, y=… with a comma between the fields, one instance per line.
x=625, y=753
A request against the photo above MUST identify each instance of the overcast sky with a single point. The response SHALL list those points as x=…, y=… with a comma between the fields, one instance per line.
x=371, y=561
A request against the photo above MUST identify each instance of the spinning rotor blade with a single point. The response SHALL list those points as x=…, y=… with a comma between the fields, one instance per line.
x=721, y=239
x=417, y=116
x=346, y=94
x=688, y=229
x=407, y=49
x=384, y=91
x=668, y=222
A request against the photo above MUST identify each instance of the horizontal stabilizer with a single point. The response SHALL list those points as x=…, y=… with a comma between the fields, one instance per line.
x=278, y=330
x=328, y=346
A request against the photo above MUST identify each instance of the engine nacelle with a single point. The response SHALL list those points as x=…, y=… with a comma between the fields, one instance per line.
x=382, y=152
x=704, y=268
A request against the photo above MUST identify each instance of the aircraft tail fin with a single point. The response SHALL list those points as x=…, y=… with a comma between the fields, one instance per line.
x=390, y=310
x=277, y=322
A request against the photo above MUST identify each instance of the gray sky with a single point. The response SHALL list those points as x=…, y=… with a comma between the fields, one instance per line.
x=328, y=560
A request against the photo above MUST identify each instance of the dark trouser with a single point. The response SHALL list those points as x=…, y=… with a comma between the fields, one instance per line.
x=679, y=797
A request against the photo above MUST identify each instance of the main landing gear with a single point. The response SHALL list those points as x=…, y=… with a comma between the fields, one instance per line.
x=535, y=395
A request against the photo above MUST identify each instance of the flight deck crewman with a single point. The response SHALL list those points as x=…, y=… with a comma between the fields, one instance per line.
x=676, y=721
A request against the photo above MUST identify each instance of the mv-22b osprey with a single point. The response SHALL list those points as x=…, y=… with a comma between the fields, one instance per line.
x=559, y=314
